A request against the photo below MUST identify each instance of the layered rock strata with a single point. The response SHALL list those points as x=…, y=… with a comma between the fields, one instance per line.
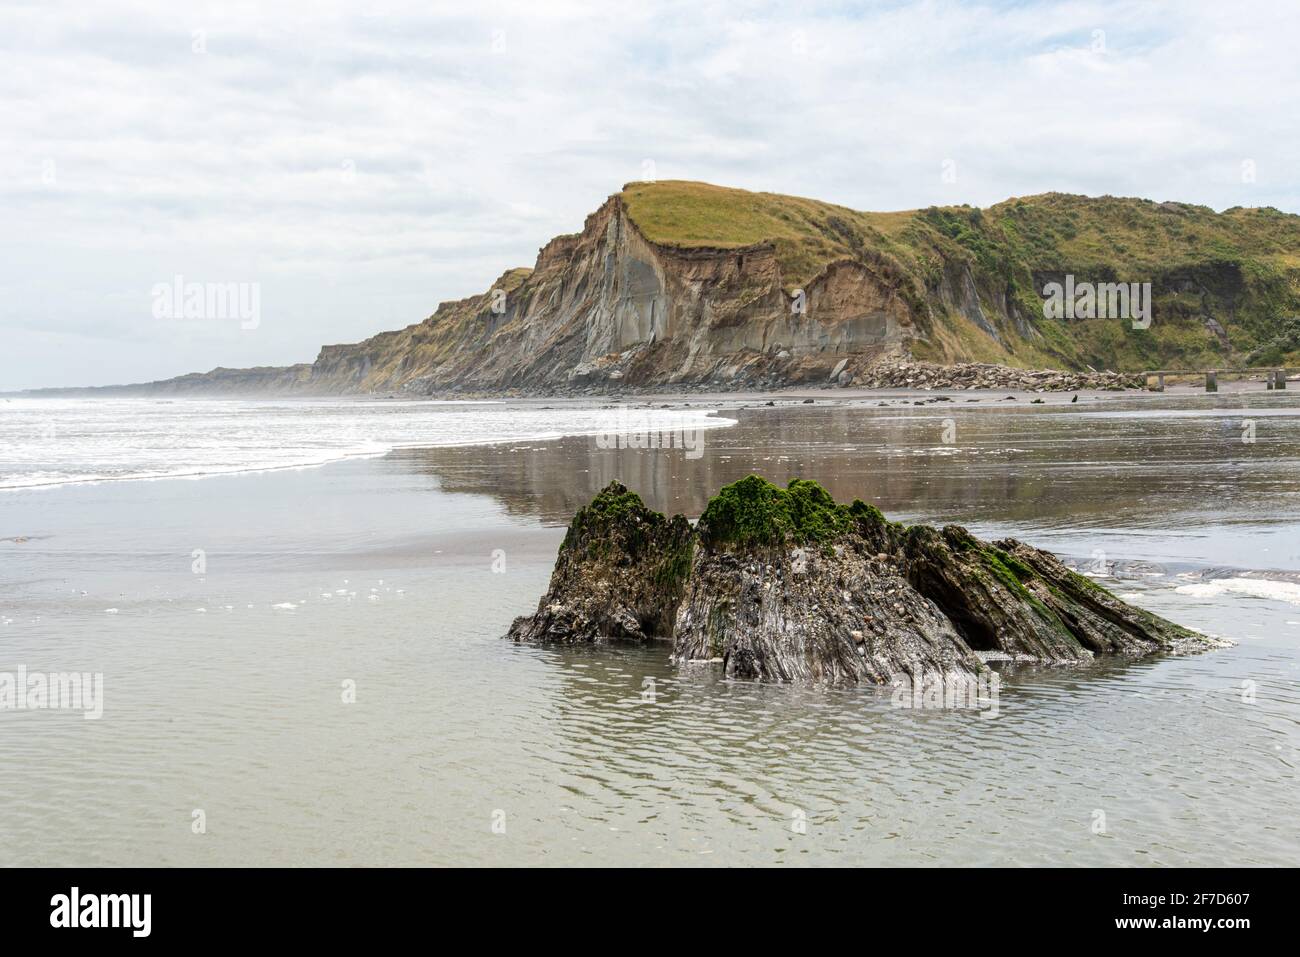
x=787, y=585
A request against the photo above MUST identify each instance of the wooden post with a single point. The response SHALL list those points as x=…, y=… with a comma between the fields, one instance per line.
x=1211, y=382
x=1160, y=382
x=1268, y=380
x=1279, y=379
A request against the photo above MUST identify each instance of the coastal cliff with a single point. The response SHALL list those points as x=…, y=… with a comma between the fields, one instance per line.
x=678, y=285
x=787, y=585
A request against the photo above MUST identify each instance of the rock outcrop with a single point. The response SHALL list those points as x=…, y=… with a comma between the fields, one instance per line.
x=787, y=585
x=620, y=574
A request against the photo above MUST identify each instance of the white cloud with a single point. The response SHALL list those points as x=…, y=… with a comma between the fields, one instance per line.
x=364, y=162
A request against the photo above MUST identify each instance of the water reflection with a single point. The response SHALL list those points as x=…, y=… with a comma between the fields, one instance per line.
x=1134, y=464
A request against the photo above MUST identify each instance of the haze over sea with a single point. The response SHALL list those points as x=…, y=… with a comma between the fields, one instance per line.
x=385, y=546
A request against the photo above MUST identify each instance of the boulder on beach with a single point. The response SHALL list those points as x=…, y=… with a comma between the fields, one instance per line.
x=785, y=584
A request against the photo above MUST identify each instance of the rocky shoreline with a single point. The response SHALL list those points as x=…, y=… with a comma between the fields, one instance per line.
x=890, y=373
x=787, y=585
x=905, y=374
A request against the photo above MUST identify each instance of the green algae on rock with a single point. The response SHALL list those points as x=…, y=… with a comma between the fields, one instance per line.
x=620, y=574
x=753, y=512
x=789, y=585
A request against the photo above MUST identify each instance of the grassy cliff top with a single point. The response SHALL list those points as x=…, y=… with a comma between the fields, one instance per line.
x=807, y=233
x=1104, y=229
x=681, y=213
x=1044, y=232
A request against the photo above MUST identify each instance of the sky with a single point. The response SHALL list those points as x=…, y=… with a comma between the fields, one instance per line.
x=353, y=165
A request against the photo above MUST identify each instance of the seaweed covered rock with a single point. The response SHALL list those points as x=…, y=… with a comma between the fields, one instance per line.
x=788, y=613
x=620, y=573
x=993, y=601
x=1009, y=599
x=788, y=585
x=783, y=589
x=1102, y=623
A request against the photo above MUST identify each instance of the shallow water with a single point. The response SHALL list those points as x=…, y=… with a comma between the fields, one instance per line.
x=236, y=709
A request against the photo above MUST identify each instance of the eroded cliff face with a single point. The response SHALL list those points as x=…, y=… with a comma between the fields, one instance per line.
x=607, y=307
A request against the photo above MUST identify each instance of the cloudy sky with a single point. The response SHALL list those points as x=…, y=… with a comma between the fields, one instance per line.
x=362, y=162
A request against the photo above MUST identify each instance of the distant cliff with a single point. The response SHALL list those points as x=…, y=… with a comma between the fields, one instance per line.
x=686, y=284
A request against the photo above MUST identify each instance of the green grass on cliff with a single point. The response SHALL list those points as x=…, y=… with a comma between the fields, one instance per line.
x=807, y=234
x=1047, y=231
